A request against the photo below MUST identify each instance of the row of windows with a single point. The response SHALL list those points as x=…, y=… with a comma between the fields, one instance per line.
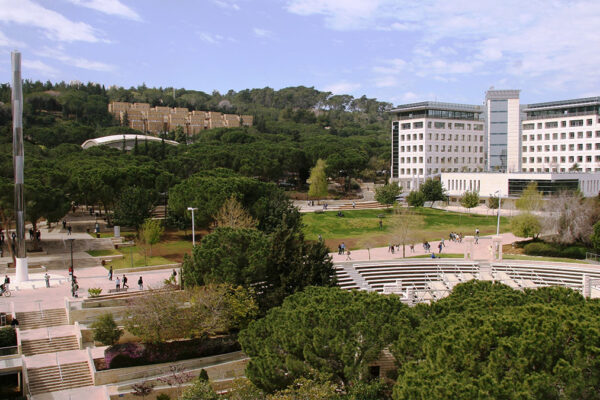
x=554, y=124
x=563, y=135
x=441, y=148
x=464, y=184
x=441, y=136
x=563, y=147
x=563, y=159
x=441, y=160
x=441, y=125
x=419, y=171
x=558, y=169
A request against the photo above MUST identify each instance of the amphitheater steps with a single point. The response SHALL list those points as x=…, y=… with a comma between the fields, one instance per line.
x=42, y=319
x=54, y=378
x=43, y=346
x=361, y=206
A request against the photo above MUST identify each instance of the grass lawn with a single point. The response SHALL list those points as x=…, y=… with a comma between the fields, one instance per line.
x=536, y=258
x=139, y=260
x=359, y=227
x=103, y=253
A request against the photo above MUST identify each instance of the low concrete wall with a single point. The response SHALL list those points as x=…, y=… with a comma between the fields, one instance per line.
x=118, y=375
x=88, y=315
x=87, y=335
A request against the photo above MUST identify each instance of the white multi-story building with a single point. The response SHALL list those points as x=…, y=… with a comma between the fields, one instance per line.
x=561, y=136
x=429, y=138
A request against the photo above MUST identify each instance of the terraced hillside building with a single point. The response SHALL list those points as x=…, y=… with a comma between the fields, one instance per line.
x=429, y=138
x=156, y=120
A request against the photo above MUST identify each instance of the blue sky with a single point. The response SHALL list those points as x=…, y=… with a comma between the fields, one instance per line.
x=396, y=51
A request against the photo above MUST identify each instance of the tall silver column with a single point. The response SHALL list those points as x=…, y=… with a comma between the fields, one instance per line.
x=22, y=273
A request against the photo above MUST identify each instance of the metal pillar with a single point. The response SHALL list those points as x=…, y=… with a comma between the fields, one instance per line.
x=22, y=273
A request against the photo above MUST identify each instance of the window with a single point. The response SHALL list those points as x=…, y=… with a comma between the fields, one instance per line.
x=531, y=148
x=429, y=124
x=459, y=126
x=539, y=159
x=554, y=147
x=539, y=125
x=553, y=124
x=437, y=136
x=531, y=159
x=547, y=148
x=580, y=146
x=597, y=146
x=597, y=133
x=597, y=158
x=563, y=123
x=439, y=125
x=588, y=134
x=563, y=147
x=554, y=159
x=524, y=138
x=588, y=146
x=402, y=149
x=436, y=147
x=571, y=159
x=571, y=147
x=571, y=135
x=528, y=127
x=524, y=149
x=563, y=135
x=539, y=136
x=555, y=136
x=477, y=127
x=539, y=148
x=547, y=136
x=546, y=159
x=563, y=159
x=589, y=121
x=449, y=125
x=414, y=136
x=443, y=136
x=579, y=158
x=576, y=122
x=405, y=126
x=588, y=158
x=429, y=136
x=418, y=125
x=531, y=137
x=579, y=135
x=524, y=160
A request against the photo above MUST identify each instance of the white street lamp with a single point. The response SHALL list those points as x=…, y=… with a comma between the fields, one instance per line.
x=192, y=209
x=499, y=208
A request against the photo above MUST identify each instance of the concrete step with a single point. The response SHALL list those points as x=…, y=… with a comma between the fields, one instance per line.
x=42, y=319
x=43, y=346
x=55, y=378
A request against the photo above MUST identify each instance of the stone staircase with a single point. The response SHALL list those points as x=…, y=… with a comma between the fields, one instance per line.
x=361, y=206
x=54, y=378
x=53, y=345
x=42, y=319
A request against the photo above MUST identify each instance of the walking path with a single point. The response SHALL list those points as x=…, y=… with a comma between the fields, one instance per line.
x=480, y=252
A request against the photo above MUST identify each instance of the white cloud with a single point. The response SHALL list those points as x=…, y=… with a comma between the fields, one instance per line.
x=553, y=43
x=210, y=38
x=79, y=62
x=227, y=5
x=40, y=66
x=342, y=87
x=110, y=7
x=262, y=33
x=55, y=25
x=7, y=42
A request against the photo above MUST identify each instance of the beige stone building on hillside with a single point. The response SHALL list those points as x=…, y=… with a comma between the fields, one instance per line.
x=142, y=117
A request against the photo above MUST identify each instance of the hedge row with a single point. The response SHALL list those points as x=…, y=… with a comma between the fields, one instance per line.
x=8, y=337
x=552, y=250
x=134, y=354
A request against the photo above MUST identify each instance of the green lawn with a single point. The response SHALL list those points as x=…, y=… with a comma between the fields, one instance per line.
x=360, y=226
x=103, y=253
x=139, y=260
x=536, y=258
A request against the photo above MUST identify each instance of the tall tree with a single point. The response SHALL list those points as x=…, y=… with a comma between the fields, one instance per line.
x=318, y=181
x=531, y=199
x=151, y=231
x=387, y=194
x=134, y=206
x=233, y=215
x=433, y=190
x=469, y=199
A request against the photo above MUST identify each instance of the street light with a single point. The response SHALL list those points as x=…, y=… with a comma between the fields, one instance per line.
x=72, y=269
x=192, y=209
x=499, y=208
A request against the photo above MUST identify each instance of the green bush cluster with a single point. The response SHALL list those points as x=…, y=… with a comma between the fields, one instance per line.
x=552, y=250
x=8, y=337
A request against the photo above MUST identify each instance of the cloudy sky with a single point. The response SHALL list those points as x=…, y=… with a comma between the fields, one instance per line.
x=395, y=50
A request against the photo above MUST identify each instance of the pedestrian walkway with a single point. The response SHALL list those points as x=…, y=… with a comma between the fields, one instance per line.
x=480, y=251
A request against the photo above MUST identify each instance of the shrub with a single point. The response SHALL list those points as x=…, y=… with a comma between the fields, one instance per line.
x=163, y=396
x=525, y=225
x=415, y=199
x=8, y=337
x=552, y=250
x=106, y=330
x=95, y=292
x=133, y=354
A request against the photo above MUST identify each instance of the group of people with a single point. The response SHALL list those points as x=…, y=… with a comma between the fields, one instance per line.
x=123, y=281
x=34, y=234
x=456, y=237
x=341, y=248
x=4, y=286
x=67, y=227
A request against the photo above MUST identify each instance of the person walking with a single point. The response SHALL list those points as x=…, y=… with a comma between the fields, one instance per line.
x=110, y=273
x=69, y=230
x=64, y=223
x=125, y=285
x=47, y=279
x=6, y=282
x=118, y=284
x=343, y=247
x=140, y=284
x=477, y=236
x=348, y=258
x=442, y=242
x=440, y=247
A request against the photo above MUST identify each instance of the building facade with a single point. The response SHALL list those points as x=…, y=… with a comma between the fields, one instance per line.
x=156, y=120
x=502, y=136
x=429, y=138
x=561, y=136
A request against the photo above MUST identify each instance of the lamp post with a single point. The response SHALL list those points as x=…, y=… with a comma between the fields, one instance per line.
x=499, y=208
x=72, y=269
x=192, y=209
